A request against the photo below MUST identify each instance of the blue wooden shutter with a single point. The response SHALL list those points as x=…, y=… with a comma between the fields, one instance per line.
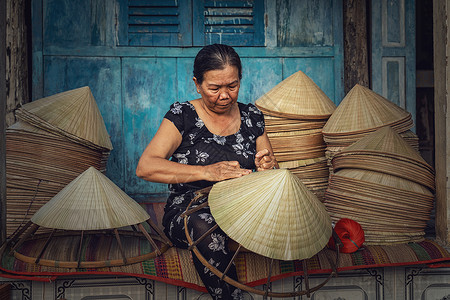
x=232, y=22
x=393, y=52
x=158, y=23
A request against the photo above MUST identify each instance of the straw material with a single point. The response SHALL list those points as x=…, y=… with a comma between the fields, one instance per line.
x=392, y=209
x=362, y=110
x=386, y=140
x=90, y=202
x=296, y=97
x=271, y=213
x=387, y=152
x=38, y=165
x=72, y=113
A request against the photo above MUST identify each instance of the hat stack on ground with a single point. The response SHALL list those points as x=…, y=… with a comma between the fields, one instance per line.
x=295, y=111
x=385, y=185
x=361, y=112
x=68, y=135
x=88, y=205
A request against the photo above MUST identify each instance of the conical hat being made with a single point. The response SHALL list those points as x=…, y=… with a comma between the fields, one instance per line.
x=297, y=97
x=271, y=213
x=362, y=110
x=73, y=113
x=90, y=202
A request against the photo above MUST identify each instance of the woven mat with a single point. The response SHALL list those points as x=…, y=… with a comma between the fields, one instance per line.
x=175, y=265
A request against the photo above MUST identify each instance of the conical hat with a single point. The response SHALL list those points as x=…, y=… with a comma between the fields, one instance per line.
x=297, y=97
x=21, y=126
x=363, y=110
x=271, y=213
x=386, y=140
x=90, y=202
x=72, y=113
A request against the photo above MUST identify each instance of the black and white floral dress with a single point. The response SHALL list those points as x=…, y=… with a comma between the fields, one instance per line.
x=201, y=147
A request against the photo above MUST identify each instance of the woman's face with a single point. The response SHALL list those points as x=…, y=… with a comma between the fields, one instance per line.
x=219, y=89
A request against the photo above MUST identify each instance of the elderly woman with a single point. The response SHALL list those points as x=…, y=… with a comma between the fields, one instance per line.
x=200, y=142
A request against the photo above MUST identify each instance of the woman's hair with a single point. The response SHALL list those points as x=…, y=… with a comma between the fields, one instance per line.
x=215, y=57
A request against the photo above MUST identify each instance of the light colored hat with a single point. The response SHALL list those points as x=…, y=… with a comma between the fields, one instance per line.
x=387, y=152
x=296, y=97
x=271, y=213
x=386, y=141
x=90, y=202
x=363, y=110
x=73, y=113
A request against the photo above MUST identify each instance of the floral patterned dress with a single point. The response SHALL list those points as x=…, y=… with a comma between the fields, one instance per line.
x=201, y=147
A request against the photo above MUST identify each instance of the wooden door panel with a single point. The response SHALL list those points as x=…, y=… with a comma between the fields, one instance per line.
x=393, y=52
x=149, y=85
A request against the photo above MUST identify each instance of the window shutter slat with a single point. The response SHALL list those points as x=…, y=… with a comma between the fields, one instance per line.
x=233, y=22
x=159, y=23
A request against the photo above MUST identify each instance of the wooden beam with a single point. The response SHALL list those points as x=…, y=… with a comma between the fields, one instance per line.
x=2, y=121
x=356, y=56
x=441, y=36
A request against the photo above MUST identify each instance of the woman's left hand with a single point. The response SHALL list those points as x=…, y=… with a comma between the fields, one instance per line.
x=265, y=160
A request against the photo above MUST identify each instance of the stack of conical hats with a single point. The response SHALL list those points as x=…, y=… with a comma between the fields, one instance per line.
x=295, y=111
x=42, y=159
x=361, y=112
x=382, y=183
x=91, y=202
x=271, y=213
x=73, y=114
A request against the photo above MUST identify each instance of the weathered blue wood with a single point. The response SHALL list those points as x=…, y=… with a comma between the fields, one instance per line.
x=228, y=3
x=305, y=23
x=154, y=11
x=185, y=11
x=212, y=18
x=166, y=25
x=185, y=85
x=102, y=75
x=144, y=29
x=259, y=75
x=393, y=52
x=394, y=13
x=62, y=26
x=153, y=3
x=338, y=41
x=186, y=52
x=37, y=88
x=153, y=39
x=154, y=20
x=122, y=22
x=393, y=78
x=149, y=87
x=320, y=70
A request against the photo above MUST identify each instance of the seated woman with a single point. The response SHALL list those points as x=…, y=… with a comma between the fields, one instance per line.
x=203, y=141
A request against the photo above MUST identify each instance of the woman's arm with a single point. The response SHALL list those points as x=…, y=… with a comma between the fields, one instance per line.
x=264, y=158
x=154, y=164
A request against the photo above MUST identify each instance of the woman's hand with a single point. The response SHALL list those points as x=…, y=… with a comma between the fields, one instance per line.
x=224, y=170
x=265, y=160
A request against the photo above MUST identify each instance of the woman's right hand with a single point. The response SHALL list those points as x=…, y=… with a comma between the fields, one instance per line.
x=224, y=170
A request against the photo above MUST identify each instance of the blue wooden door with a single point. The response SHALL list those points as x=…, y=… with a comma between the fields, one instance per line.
x=137, y=57
x=393, y=52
